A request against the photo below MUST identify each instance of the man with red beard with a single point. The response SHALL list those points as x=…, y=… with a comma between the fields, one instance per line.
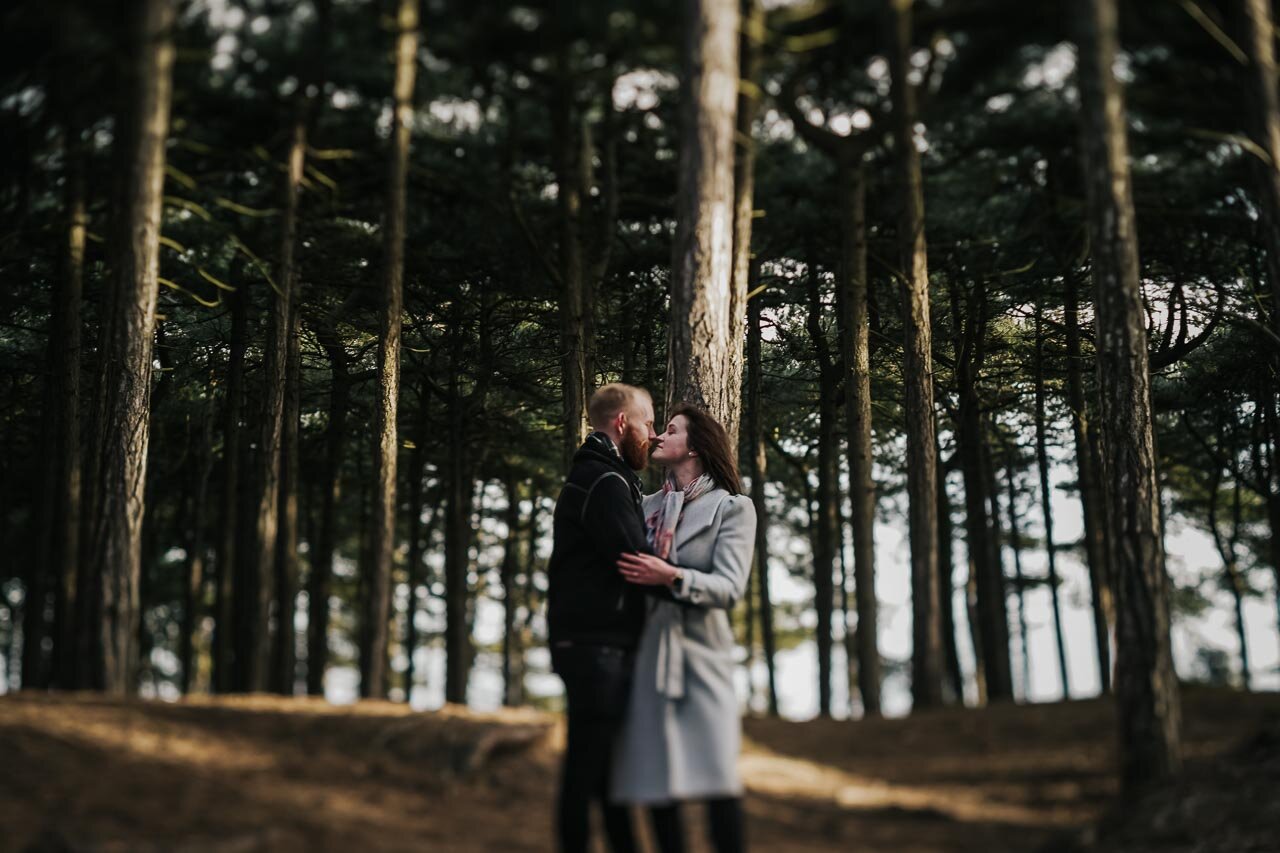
x=594, y=617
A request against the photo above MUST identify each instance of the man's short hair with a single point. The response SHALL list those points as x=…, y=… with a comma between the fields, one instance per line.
x=610, y=399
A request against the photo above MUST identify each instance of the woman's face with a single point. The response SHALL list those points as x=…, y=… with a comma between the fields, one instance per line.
x=672, y=446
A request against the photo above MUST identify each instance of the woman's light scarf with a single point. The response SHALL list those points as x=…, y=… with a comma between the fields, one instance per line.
x=662, y=523
x=667, y=618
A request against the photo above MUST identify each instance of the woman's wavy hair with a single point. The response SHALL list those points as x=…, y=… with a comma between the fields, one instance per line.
x=710, y=440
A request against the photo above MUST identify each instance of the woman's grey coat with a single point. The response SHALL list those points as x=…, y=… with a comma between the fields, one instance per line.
x=683, y=729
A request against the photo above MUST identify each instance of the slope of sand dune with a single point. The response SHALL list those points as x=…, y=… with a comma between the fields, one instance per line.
x=82, y=773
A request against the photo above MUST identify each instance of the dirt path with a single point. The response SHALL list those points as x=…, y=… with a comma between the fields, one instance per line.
x=78, y=772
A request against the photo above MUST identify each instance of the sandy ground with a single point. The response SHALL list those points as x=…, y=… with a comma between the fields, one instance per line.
x=82, y=773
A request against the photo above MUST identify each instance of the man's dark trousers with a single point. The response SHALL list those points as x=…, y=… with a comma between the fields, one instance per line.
x=597, y=682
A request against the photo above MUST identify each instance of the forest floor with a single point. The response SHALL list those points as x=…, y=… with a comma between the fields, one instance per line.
x=232, y=775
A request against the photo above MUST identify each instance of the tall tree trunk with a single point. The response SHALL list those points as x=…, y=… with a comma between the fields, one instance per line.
x=1271, y=424
x=1260, y=45
x=856, y=346
x=286, y=557
x=322, y=559
x=846, y=620
x=244, y=586
x=926, y=655
x=1237, y=581
x=457, y=540
x=417, y=465
x=224, y=663
x=284, y=651
x=512, y=652
x=597, y=270
x=998, y=604
x=259, y=593
x=946, y=590
x=193, y=591
x=1046, y=503
x=364, y=556
x=1228, y=551
x=154, y=519
x=1091, y=498
x=1019, y=579
x=569, y=194
x=1146, y=686
x=758, y=467
x=750, y=44
x=65, y=354
x=826, y=521
x=128, y=331
x=35, y=623
x=704, y=363
x=374, y=674
x=991, y=617
x=283, y=644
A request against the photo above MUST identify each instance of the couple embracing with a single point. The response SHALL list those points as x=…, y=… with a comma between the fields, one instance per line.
x=641, y=587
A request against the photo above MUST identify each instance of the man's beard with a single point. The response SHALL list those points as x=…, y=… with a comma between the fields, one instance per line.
x=635, y=450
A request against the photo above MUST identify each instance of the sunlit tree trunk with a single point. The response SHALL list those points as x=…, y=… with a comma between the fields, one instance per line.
x=129, y=317
x=856, y=347
x=704, y=364
x=1146, y=686
x=373, y=681
x=926, y=655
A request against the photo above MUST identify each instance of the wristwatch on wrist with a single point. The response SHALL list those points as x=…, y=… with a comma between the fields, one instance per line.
x=677, y=582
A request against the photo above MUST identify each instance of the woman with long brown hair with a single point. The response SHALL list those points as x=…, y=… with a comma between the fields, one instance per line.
x=683, y=730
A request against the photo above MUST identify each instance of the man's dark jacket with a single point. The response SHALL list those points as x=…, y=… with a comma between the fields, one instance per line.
x=598, y=517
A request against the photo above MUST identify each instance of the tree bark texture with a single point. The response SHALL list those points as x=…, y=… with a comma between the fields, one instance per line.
x=374, y=674
x=1146, y=686
x=123, y=431
x=704, y=364
x=926, y=656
